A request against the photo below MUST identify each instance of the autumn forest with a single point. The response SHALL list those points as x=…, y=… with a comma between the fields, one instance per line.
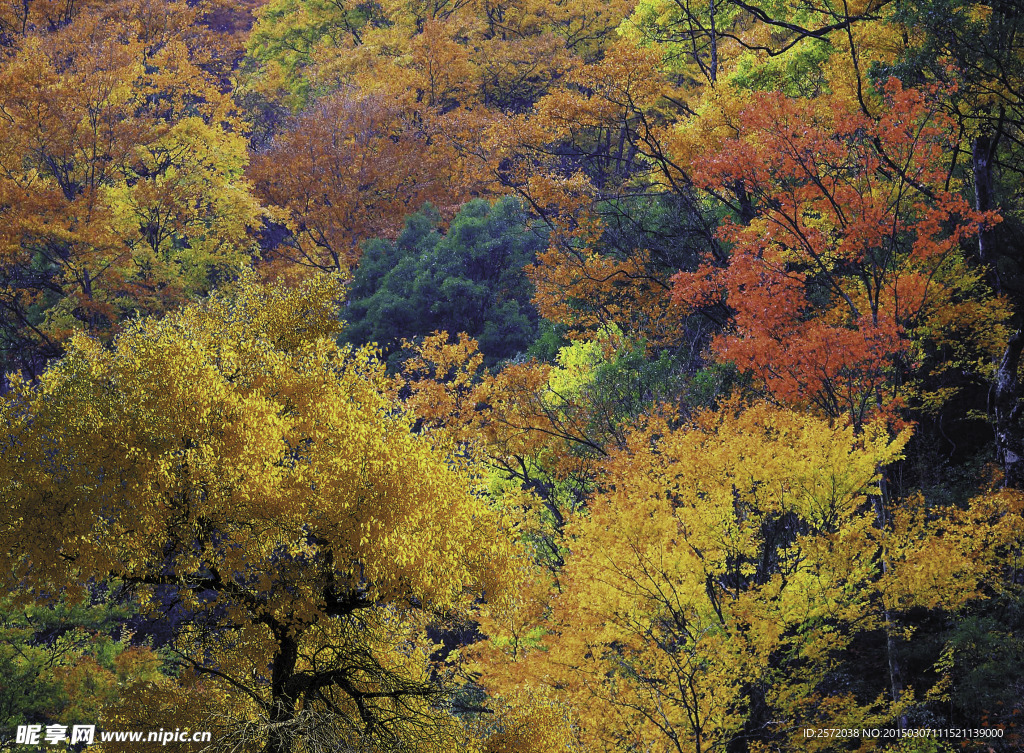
x=512, y=376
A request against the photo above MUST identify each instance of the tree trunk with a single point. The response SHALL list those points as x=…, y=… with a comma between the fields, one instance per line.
x=984, y=201
x=280, y=738
x=1007, y=407
x=1009, y=434
x=896, y=685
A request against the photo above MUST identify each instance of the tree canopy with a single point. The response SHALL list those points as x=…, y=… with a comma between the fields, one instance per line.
x=467, y=279
x=232, y=461
x=514, y=376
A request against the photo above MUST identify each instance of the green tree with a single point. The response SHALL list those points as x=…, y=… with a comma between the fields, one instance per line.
x=469, y=279
x=63, y=662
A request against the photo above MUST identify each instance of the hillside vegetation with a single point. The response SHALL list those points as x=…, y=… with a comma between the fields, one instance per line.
x=513, y=376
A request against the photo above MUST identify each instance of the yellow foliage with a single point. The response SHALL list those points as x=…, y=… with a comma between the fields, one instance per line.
x=531, y=722
x=577, y=364
x=234, y=456
x=716, y=550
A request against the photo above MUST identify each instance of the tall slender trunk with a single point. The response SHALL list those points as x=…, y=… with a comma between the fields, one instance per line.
x=896, y=685
x=1006, y=402
x=1006, y=405
x=882, y=520
x=984, y=201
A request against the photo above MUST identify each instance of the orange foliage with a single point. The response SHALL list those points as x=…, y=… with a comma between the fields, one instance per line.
x=510, y=415
x=597, y=135
x=352, y=169
x=850, y=252
x=120, y=179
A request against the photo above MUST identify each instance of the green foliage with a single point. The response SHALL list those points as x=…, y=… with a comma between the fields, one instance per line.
x=550, y=338
x=673, y=230
x=797, y=72
x=64, y=662
x=469, y=279
x=288, y=32
x=984, y=657
x=620, y=380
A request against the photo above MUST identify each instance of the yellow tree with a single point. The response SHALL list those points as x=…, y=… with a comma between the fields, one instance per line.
x=717, y=587
x=537, y=427
x=249, y=479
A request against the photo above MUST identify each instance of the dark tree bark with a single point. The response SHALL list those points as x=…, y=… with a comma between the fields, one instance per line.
x=282, y=710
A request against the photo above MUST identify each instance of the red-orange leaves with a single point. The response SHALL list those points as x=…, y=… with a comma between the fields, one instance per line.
x=848, y=246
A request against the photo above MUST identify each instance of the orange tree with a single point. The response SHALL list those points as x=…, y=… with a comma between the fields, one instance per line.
x=349, y=170
x=844, y=271
x=121, y=187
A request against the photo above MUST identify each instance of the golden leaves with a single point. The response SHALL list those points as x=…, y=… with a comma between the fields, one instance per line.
x=714, y=547
x=233, y=452
x=117, y=149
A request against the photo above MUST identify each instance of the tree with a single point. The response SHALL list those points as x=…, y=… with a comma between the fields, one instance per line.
x=845, y=270
x=726, y=586
x=351, y=169
x=469, y=279
x=544, y=428
x=64, y=662
x=976, y=46
x=232, y=462
x=502, y=53
x=121, y=185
